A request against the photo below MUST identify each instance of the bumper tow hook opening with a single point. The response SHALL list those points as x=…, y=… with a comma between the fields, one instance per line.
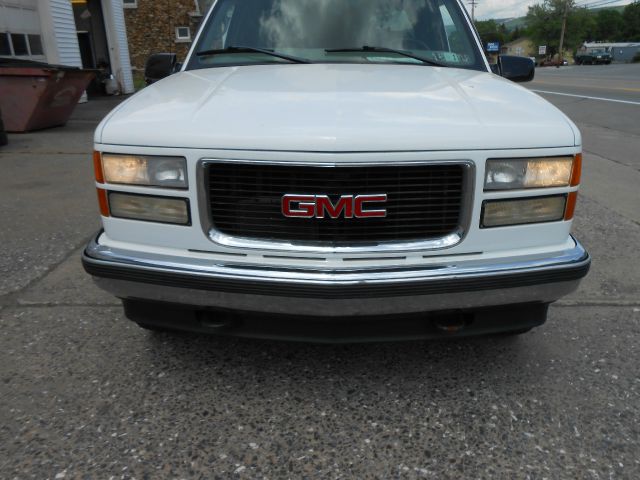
x=214, y=322
x=452, y=324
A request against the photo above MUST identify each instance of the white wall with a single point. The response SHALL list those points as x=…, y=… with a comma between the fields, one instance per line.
x=118, y=44
x=54, y=21
x=59, y=32
x=21, y=17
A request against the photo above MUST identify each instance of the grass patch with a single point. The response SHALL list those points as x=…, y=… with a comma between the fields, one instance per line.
x=138, y=80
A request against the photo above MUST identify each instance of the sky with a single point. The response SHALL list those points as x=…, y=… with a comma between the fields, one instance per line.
x=486, y=9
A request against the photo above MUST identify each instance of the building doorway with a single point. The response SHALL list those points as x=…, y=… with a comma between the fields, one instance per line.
x=92, y=41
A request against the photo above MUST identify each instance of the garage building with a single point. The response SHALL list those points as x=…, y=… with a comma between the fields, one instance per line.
x=81, y=33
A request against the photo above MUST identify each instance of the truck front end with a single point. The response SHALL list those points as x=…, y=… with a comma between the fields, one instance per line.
x=337, y=193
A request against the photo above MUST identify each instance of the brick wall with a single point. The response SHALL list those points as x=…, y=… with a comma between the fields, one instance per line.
x=151, y=28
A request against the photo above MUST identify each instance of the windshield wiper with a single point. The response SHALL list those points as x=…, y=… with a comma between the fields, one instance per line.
x=233, y=49
x=367, y=48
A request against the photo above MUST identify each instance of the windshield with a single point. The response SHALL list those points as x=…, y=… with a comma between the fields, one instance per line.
x=331, y=31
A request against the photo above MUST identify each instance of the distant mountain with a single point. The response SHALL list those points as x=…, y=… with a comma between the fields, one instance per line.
x=521, y=22
x=619, y=8
x=513, y=23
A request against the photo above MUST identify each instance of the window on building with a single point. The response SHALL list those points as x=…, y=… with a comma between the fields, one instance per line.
x=130, y=3
x=19, y=41
x=5, y=46
x=183, y=34
x=35, y=44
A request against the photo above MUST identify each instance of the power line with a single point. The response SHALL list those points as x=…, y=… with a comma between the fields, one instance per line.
x=597, y=3
x=583, y=3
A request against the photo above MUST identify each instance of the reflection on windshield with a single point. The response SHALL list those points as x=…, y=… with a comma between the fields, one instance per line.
x=434, y=29
x=359, y=22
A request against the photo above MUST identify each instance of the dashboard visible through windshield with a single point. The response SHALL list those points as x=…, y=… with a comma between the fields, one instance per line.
x=423, y=32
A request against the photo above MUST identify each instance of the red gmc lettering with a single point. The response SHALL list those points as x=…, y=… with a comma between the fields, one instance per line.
x=306, y=206
x=344, y=205
x=360, y=206
x=347, y=206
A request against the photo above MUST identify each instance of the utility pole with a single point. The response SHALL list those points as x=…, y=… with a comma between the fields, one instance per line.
x=564, y=26
x=473, y=4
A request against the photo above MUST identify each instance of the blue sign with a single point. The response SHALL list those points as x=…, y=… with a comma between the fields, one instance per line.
x=493, y=46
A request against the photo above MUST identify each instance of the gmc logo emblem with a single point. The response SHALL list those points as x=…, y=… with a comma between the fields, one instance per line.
x=319, y=206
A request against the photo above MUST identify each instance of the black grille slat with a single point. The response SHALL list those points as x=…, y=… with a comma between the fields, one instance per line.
x=220, y=218
x=340, y=184
x=400, y=210
x=233, y=200
x=424, y=201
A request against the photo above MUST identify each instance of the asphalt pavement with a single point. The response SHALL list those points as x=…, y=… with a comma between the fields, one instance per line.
x=616, y=82
x=87, y=394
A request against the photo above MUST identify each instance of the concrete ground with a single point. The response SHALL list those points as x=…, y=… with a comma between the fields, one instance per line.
x=87, y=394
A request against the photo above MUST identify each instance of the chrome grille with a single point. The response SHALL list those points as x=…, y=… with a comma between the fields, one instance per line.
x=424, y=201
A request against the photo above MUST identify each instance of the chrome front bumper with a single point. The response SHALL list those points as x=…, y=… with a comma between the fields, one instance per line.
x=452, y=285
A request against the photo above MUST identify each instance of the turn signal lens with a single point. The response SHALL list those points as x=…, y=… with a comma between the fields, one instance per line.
x=508, y=174
x=500, y=213
x=571, y=205
x=576, y=172
x=149, y=208
x=167, y=172
x=102, y=202
x=97, y=167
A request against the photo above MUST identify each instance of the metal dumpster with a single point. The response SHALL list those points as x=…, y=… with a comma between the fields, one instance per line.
x=36, y=95
x=3, y=134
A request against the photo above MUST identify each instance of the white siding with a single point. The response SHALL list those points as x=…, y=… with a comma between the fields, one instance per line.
x=20, y=18
x=54, y=20
x=64, y=27
x=118, y=43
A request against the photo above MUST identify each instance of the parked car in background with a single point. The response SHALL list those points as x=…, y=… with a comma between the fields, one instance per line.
x=593, y=57
x=337, y=170
x=553, y=62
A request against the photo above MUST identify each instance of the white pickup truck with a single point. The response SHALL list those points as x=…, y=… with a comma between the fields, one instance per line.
x=337, y=170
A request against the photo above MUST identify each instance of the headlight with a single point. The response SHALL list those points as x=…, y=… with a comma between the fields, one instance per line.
x=500, y=213
x=149, y=208
x=520, y=173
x=168, y=172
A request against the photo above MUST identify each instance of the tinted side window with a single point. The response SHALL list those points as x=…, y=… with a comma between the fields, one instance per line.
x=5, y=49
x=35, y=44
x=19, y=44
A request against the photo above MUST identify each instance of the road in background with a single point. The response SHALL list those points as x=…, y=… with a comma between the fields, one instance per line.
x=608, y=219
x=610, y=129
x=619, y=82
x=86, y=393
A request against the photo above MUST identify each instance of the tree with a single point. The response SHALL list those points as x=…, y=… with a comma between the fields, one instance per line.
x=581, y=24
x=631, y=21
x=609, y=26
x=491, y=31
x=544, y=23
x=543, y=26
x=515, y=34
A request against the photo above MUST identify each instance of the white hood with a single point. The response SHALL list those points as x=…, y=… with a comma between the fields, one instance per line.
x=337, y=108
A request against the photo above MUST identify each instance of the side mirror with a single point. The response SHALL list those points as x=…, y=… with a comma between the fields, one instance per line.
x=159, y=65
x=516, y=69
